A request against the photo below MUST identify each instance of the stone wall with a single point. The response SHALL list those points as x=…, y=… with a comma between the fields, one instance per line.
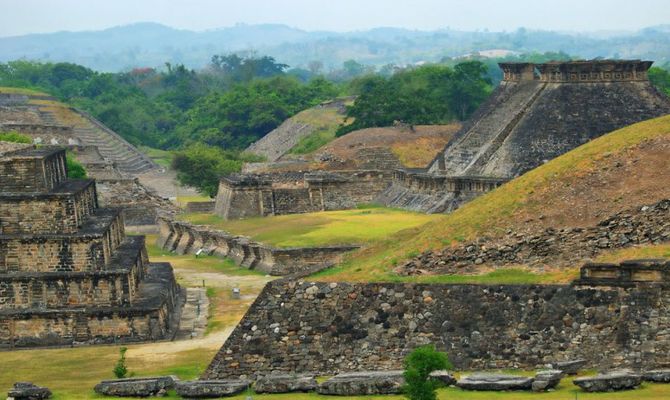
x=31, y=170
x=61, y=211
x=45, y=134
x=247, y=195
x=327, y=328
x=200, y=207
x=184, y=238
x=140, y=205
x=418, y=190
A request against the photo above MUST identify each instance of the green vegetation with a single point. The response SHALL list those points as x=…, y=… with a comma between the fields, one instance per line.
x=360, y=226
x=120, y=369
x=661, y=79
x=325, y=121
x=161, y=157
x=497, y=210
x=418, y=366
x=202, y=166
x=74, y=168
x=432, y=94
x=14, y=137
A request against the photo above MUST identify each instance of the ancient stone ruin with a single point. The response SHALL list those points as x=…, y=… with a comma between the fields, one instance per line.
x=68, y=273
x=614, y=316
x=253, y=195
x=538, y=112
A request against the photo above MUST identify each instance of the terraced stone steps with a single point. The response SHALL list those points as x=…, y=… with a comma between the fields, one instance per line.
x=465, y=150
x=128, y=159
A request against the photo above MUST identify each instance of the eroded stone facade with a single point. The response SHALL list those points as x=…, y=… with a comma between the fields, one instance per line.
x=539, y=112
x=327, y=328
x=68, y=273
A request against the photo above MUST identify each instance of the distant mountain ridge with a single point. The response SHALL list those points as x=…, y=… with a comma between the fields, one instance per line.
x=150, y=44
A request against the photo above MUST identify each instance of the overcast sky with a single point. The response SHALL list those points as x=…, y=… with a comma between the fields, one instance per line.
x=19, y=17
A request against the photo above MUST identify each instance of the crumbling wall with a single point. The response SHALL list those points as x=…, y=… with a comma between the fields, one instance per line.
x=247, y=195
x=184, y=238
x=327, y=328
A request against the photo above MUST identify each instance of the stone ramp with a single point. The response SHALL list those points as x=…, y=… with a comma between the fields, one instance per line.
x=193, y=322
x=491, y=128
x=128, y=159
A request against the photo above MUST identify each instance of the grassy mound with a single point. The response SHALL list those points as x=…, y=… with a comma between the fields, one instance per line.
x=324, y=121
x=623, y=169
x=360, y=226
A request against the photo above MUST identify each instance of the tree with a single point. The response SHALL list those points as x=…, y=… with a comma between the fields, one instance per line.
x=120, y=370
x=418, y=366
x=660, y=78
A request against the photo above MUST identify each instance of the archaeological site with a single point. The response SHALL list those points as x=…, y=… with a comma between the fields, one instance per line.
x=489, y=221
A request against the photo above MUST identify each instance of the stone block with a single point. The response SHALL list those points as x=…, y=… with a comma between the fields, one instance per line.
x=547, y=379
x=28, y=391
x=495, y=382
x=136, y=387
x=444, y=377
x=609, y=382
x=210, y=389
x=364, y=383
x=570, y=367
x=657, y=375
x=285, y=384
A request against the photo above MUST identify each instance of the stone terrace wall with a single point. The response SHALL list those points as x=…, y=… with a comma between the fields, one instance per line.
x=184, y=238
x=333, y=327
x=247, y=195
x=420, y=191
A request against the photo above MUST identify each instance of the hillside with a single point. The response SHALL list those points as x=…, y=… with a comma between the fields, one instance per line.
x=302, y=133
x=621, y=171
x=414, y=147
x=143, y=45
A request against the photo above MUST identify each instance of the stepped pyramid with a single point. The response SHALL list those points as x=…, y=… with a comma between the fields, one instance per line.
x=538, y=112
x=68, y=273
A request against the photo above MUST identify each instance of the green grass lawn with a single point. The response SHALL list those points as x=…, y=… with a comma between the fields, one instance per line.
x=359, y=226
x=160, y=157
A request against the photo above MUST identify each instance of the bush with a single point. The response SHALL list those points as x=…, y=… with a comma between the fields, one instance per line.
x=74, y=169
x=120, y=370
x=418, y=366
x=14, y=137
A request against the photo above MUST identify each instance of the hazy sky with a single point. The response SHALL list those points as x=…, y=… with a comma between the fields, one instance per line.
x=35, y=16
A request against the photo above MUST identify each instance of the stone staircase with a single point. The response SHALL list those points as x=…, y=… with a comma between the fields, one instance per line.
x=468, y=149
x=128, y=159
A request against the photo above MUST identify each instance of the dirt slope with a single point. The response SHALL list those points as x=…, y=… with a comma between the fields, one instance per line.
x=622, y=170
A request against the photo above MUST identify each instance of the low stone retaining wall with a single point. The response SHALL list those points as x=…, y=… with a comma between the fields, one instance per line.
x=326, y=328
x=200, y=206
x=185, y=238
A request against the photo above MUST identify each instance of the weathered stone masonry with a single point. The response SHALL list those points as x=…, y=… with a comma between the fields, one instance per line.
x=327, y=328
x=249, y=195
x=539, y=112
x=185, y=238
x=68, y=273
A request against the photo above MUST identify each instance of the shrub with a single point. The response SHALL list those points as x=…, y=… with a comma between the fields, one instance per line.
x=74, y=169
x=120, y=370
x=418, y=366
x=14, y=137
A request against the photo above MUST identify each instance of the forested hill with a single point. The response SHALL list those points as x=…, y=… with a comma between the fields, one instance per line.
x=151, y=45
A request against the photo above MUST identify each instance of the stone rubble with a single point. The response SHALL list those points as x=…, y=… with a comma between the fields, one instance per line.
x=363, y=383
x=556, y=247
x=546, y=380
x=28, y=391
x=285, y=384
x=570, y=367
x=495, y=382
x=609, y=382
x=210, y=389
x=136, y=387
